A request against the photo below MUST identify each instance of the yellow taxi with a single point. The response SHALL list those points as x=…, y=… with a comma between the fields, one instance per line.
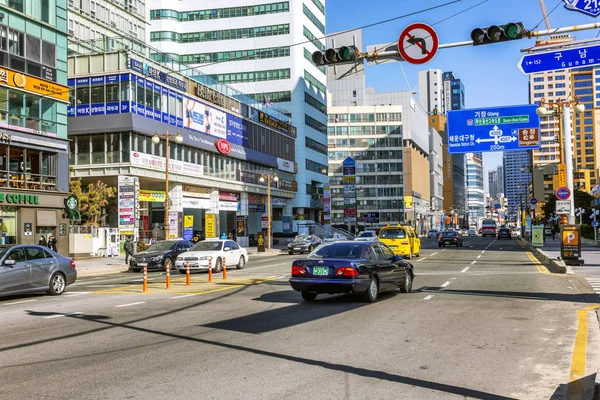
x=402, y=239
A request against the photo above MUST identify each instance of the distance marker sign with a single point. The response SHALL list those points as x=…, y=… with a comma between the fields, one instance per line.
x=418, y=43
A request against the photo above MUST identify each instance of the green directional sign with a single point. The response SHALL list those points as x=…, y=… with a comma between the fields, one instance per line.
x=513, y=119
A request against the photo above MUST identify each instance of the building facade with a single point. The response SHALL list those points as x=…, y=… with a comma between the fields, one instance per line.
x=496, y=183
x=240, y=43
x=475, y=193
x=436, y=173
x=34, y=149
x=119, y=101
x=517, y=179
x=431, y=91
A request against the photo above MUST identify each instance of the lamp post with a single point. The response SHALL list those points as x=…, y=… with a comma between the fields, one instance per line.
x=562, y=109
x=156, y=140
x=270, y=176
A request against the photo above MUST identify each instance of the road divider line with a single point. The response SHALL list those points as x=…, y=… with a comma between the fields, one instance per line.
x=421, y=259
x=428, y=297
x=474, y=262
x=433, y=254
x=482, y=251
x=540, y=267
x=575, y=388
x=466, y=269
x=185, y=295
x=479, y=256
x=19, y=302
x=131, y=304
x=447, y=282
x=63, y=315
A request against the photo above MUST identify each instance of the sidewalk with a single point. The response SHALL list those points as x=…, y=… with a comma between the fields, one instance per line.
x=551, y=252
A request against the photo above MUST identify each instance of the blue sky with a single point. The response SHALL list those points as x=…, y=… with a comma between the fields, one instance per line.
x=489, y=73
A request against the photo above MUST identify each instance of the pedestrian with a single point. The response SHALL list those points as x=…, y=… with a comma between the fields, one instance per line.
x=42, y=241
x=52, y=243
x=128, y=247
x=223, y=236
x=553, y=232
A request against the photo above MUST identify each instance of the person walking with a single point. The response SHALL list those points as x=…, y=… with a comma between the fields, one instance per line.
x=553, y=232
x=52, y=243
x=42, y=241
x=128, y=247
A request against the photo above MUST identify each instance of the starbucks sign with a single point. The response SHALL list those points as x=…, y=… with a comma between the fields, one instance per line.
x=72, y=202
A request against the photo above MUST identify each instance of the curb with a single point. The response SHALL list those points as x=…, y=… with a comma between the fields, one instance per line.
x=84, y=272
x=596, y=395
x=557, y=266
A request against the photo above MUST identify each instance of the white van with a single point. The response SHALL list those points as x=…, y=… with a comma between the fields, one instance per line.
x=488, y=227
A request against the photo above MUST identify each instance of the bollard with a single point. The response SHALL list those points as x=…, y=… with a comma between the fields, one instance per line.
x=187, y=273
x=145, y=286
x=210, y=269
x=224, y=268
x=168, y=282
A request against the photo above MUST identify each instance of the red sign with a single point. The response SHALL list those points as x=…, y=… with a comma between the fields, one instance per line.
x=418, y=43
x=229, y=196
x=223, y=146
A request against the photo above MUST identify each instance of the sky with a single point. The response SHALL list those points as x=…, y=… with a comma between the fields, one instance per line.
x=489, y=73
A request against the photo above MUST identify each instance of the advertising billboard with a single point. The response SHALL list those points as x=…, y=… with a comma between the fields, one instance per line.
x=202, y=118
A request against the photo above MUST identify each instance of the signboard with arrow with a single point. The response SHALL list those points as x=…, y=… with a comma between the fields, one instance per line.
x=418, y=43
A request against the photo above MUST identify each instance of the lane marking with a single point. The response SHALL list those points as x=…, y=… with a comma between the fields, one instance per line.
x=421, y=259
x=62, y=315
x=185, y=295
x=444, y=250
x=474, y=262
x=73, y=294
x=447, y=282
x=479, y=256
x=578, y=361
x=18, y=302
x=131, y=304
x=433, y=254
x=428, y=297
x=466, y=269
x=541, y=269
x=482, y=251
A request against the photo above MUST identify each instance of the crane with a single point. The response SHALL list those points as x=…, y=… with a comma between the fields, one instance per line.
x=545, y=14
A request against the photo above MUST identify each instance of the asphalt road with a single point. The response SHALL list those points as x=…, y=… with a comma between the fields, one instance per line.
x=483, y=321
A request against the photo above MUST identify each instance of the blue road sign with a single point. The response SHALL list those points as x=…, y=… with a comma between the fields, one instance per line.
x=563, y=193
x=349, y=162
x=578, y=57
x=589, y=7
x=493, y=129
x=534, y=201
x=595, y=224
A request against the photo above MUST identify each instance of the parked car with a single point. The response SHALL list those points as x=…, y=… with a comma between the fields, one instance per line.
x=159, y=254
x=363, y=268
x=472, y=232
x=33, y=268
x=366, y=236
x=504, y=233
x=220, y=251
x=304, y=244
x=432, y=234
x=450, y=238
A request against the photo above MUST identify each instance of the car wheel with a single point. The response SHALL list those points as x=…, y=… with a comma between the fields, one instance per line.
x=57, y=285
x=290, y=252
x=370, y=296
x=308, y=296
x=168, y=262
x=406, y=287
x=242, y=263
x=218, y=266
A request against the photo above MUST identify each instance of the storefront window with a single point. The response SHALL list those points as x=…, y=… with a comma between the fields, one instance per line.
x=112, y=148
x=112, y=92
x=98, y=149
x=98, y=93
x=125, y=90
x=83, y=150
x=8, y=225
x=125, y=147
x=140, y=93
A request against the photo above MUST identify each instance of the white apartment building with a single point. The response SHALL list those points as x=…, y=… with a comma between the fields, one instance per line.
x=246, y=44
x=104, y=25
x=431, y=91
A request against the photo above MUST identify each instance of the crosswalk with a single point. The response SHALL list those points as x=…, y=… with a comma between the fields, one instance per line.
x=595, y=284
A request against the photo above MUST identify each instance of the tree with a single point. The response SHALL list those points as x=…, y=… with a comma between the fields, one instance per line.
x=93, y=200
x=582, y=199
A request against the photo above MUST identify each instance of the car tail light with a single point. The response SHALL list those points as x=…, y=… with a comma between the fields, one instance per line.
x=347, y=271
x=72, y=264
x=298, y=270
x=455, y=238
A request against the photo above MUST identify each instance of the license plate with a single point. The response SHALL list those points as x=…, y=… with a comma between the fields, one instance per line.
x=142, y=264
x=448, y=242
x=320, y=271
x=296, y=248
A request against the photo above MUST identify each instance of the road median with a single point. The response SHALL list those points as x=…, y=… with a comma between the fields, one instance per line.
x=556, y=266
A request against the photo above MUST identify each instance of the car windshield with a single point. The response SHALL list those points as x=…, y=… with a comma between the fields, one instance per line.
x=338, y=250
x=207, y=246
x=3, y=251
x=366, y=234
x=301, y=238
x=393, y=234
x=161, y=246
x=449, y=234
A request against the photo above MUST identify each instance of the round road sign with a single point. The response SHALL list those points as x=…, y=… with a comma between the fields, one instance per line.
x=563, y=193
x=418, y=43
x=534, y=201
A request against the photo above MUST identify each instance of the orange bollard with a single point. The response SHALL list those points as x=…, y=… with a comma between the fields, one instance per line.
x=187, y=273
x=210, y=269
x=145, y=286
x=168, y=283
x=224, y=268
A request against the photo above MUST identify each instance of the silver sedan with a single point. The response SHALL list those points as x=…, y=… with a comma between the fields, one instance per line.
x=33, y=268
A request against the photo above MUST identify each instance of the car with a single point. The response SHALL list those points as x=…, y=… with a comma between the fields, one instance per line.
x=159, y=255
x=304, y=244
x=548, y=231
x=504, y=233
x=366, y=236
x=472, y=232
x=515, y=232
x=464, y=232
x=30, y=268
x=450, y=238
x=402, y=239
x=334, y=237
x=488, y=227
x=362, y=268
x=222, y=252
x=432, y=234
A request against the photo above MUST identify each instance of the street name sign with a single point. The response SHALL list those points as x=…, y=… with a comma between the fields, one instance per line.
x=579, y=57
x=418, y=43
x=508, y=128
x=588, y=7
x=563, y=206
x=563, y=193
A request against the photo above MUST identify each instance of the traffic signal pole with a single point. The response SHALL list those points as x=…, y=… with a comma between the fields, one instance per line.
x=567, y=137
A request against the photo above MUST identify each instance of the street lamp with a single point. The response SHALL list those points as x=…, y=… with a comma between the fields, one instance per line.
x=562, y=109
x=270, y=176
x=156, y=140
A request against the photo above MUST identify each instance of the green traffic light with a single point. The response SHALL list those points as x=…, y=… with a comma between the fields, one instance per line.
x=347, y=53
x=513, y=31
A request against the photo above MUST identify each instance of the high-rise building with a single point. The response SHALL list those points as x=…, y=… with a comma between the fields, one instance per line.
x=475, y=193
x=516, y=179
x=436, y=172
x=34, y=148
x=431, y=91
x=496, y=183
x=247, y=44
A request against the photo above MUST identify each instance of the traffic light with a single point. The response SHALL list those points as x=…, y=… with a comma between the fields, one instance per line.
x=498, y=33
x=340, y=55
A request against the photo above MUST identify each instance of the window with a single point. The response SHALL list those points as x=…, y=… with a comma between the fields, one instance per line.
x=36, y=253
x=308, y=56
x=316, y=146
x=316, y=125
x=48, y=54
x=316, y=167
x=314, y=103
x=538, y=79
x=202, y=58
x=308, y=34
x=320, y=26
x=231, y=12
x=16, y=42
x=256, y=76
x=228, y=34
x=18, y=255
x=315, y=82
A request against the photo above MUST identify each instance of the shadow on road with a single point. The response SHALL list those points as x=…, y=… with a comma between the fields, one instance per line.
x=571, y=298
x=577, y=390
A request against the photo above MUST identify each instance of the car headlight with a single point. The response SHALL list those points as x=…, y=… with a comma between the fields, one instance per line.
x=157, y=258
x=179, y=258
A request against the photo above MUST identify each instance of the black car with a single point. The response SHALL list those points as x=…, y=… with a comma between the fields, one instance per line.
x=365, y=268
x=304, y=244
x=159, y=255
x=504, y=233
x=450, y=238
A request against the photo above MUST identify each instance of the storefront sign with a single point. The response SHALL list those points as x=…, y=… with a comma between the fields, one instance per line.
x=34, y=85
x=205, y=119
x=152, y=196
x=242, y=226
x=196, y=191
x=128, y=204
x=210, y=95
x=5, y=137
x=175, y=220
x=157, y=74
x=287, y=224
x=149, y=161
x=16, y=198
x=196, y=203
x=286, y=165
x=229, y=196
x=228, y=205
x=274, y=123
x=188, y=227
x=254, y=198
x=223, y=146
x=264, y=222
x=237, y=130
x=537, y=235
x=210, y=223
x=277, y=202
x=570, y=241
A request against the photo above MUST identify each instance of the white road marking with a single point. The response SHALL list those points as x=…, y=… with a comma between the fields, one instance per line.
x=421, y=259
x=18, y=302
x=444, y=250
x=447, y=282
x=131, y=304
x=479, y=256
x=179, y=297
x=72, y=294
x=102, y=286
x=433, y=254
x=428, y=297
x=483, y=251
x=62, y=315
x=466, y=269
x=271, y=277
x=474, y=262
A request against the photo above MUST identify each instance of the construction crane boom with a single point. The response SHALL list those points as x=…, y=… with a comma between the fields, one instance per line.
x=545, y=14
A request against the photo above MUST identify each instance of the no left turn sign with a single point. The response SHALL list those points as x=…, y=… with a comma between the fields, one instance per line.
x=418, y=43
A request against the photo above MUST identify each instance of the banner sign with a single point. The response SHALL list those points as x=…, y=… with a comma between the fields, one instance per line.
x=149, y=161
x=188, y=227
x=210, y=225
x=152, y=196
x=537, y=235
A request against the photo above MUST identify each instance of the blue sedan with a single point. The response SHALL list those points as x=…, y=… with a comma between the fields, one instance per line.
x=364, y=268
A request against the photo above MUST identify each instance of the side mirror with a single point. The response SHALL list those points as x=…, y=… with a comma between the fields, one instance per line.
x=227, y=249
x=9, y=262
x=399, y=258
